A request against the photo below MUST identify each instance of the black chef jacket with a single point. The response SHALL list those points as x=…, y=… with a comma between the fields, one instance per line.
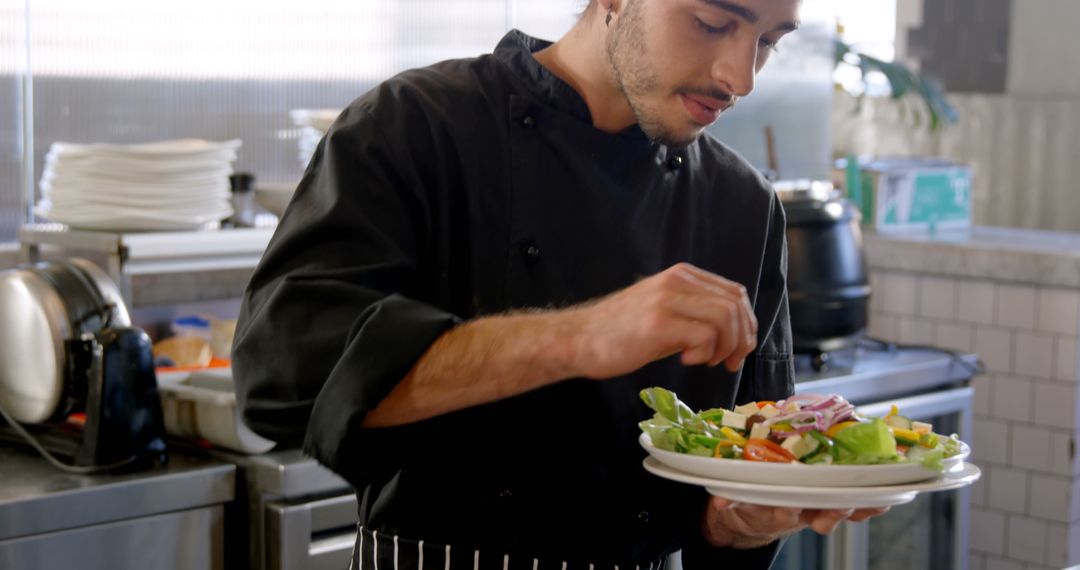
x=474, y=187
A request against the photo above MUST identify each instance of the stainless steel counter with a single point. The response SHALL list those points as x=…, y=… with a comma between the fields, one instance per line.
x=876, y=375
x=290, y=512
x=164, y=518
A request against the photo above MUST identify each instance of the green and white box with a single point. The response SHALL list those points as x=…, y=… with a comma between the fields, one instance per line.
x=912, y=195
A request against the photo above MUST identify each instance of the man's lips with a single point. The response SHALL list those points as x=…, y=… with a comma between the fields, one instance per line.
x=704, y=110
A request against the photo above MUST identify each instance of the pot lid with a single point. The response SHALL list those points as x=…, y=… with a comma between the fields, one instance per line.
x=803, y=189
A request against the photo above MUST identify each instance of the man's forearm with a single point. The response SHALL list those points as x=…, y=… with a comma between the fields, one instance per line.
x=683, y=309
x=481, y=361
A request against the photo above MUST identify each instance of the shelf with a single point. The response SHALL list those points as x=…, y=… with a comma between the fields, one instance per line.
x=130, y=255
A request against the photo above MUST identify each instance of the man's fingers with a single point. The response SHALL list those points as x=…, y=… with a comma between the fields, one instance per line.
x=699, y=342
x=862, y=514
x=825, y=521
x=721, y=504
x=726, y=318
x=714, y=282
x=711, y=279
x=735, y=360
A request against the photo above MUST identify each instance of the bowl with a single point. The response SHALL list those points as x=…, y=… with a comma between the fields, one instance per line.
x=202, y=405
x=274, y=198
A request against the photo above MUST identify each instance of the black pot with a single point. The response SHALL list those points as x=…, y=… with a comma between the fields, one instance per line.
x=828, y=285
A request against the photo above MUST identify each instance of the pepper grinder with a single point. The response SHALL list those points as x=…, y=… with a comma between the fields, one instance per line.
x=242, y=185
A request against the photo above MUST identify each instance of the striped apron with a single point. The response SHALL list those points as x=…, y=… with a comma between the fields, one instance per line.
x=379, y=551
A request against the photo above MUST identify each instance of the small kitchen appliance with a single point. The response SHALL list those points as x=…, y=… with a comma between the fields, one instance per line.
x=76, y=380
x=828, y=284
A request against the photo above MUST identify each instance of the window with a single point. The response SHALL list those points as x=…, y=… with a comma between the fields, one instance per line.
x=129, y=71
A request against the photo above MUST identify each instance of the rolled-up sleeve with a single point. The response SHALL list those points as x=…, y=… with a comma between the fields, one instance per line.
x=331, y=320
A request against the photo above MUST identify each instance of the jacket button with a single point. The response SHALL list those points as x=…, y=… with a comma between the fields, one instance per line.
x=643, y=517
x=528, y=122
x=674, y=163
x=531, y=252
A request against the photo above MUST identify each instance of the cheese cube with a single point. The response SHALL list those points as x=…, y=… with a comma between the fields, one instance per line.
x=759, y=431
x=734, y=420
x=790, y=443
x=747, y=409
x=920, y=427
x=769, y=411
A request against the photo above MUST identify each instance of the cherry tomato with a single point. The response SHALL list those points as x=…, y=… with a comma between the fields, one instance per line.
x=765, y=450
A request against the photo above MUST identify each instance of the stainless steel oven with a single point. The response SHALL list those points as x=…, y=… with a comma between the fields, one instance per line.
x=930, y=533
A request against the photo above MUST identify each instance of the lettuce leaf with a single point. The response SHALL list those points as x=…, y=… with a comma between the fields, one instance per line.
x=866, y=443
x=665, y=403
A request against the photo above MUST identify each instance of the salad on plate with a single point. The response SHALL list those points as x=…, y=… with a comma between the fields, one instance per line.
x=807, y=429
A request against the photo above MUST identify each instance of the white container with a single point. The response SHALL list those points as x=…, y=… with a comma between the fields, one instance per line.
x=202, y=405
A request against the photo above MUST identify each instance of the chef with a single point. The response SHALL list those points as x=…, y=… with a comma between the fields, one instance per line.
x=485, y=262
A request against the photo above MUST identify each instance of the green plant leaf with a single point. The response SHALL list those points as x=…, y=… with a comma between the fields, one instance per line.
x=902, y=82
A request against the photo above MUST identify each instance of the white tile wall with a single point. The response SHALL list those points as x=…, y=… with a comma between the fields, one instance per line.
x=980, y=489
x=994, y=346
x=900, y=293
x=937, y=298
x=987, y=531
x=1074, y=543
x=1030, y=448
x=1055, y=404
x=1049, y=498
x=1034, y=355
x=1003, y=564
x=990, y=441
x=1074, y=502
x=1016, y=306
x=1064, y=459
x=1025, y=539
x=975, y=302
x=1026, y=509
x=1012, y=398
x=911, y=330
x=955, y=336
x=1008, y=490
x=983, y=390
x=1065, y=350
x=883, y=326
x=1059, y=311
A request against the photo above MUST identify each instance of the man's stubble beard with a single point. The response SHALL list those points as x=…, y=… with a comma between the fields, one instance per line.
x=628, y=55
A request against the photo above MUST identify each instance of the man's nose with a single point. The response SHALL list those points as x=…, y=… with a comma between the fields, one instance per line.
x=735, y=68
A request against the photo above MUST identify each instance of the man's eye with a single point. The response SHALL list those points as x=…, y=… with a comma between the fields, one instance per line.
x=712, y=30
x=768, y=45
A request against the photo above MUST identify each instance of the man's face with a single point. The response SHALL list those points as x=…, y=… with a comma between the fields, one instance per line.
x=680, y=63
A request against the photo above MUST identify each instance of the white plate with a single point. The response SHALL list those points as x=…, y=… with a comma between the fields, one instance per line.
x=808, y=497
x=153, y=150
x=797, y=473
x=121, y=220
x=318, y=119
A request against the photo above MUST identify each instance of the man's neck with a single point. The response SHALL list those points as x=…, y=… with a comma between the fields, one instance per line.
x=580, y=59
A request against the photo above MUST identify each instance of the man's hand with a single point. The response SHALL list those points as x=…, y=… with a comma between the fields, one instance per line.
x=737, y=525
x=684, y=309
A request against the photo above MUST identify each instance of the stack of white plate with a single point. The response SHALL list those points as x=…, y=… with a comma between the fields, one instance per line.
x=313, y=125
x=160, y=186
